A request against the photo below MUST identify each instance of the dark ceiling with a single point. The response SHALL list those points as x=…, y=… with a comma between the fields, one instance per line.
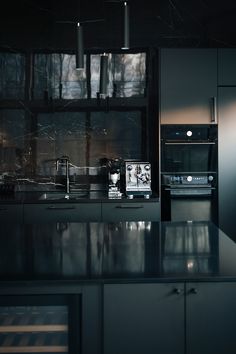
x=50, y=24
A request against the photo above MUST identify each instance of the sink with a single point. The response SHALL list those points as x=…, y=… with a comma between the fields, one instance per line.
x=63, y=195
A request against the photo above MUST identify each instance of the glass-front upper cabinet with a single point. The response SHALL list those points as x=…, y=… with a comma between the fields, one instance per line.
x=56, y=77
x=12, y=73
x=126, y=74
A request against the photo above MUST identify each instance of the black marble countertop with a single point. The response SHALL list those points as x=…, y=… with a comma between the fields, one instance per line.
x=115, y=252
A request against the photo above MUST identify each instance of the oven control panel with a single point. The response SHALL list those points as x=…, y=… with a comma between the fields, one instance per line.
x=187, y=180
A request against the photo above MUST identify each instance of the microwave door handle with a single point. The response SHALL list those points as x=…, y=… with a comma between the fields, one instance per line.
x=214, y=110
x=191, y=143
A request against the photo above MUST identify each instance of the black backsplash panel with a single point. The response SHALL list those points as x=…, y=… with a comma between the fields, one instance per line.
x=30, y=144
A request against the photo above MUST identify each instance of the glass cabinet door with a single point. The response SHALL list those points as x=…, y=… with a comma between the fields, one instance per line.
x=30, y=326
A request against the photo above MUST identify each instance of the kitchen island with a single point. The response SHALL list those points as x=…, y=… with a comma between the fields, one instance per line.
x=131, y=287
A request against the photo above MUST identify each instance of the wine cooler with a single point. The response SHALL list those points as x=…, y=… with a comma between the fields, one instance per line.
x=40, y=324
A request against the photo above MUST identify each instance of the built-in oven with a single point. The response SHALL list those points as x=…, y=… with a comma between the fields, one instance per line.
x=189, y=155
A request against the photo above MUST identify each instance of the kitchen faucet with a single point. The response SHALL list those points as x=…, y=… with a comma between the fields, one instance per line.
x=65, y=161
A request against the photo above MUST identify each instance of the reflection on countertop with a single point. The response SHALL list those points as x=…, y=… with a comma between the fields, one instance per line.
x=122, y=250
x=61, y=196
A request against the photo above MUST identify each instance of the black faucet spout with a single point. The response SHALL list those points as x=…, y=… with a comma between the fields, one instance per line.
x=64, y=160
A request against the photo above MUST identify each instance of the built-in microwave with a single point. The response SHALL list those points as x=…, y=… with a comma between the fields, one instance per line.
x=189, y=148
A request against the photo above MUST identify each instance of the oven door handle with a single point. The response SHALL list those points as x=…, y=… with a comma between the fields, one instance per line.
x=189, y=188
x=191, y=143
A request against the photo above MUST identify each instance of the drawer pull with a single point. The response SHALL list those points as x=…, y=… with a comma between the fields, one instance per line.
x=60, y=208
x=129, y=207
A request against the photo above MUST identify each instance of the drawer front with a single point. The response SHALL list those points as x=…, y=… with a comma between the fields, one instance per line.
x=73, y=212
x=12, y=213
x=118, y=211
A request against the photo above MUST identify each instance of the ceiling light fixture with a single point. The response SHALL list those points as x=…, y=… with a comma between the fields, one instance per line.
x=126, y=26
x=103, y=76
x=79, y=56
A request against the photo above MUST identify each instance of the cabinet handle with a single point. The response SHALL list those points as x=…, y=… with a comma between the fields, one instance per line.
x=129, y=207
x=62, y=208
x=214, y=111
x=177, y=291
x=193, y=291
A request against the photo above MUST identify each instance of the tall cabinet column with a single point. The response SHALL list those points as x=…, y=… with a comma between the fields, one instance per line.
x=227, y=139
x=227, y=160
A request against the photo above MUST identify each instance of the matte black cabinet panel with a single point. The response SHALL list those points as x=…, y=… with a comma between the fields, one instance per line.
x=227, y=160
x=134, y=211
x=67, y=212
x=72, y=212
x=226, y=66
x=177, y=318
x=188, y=85
x=11, y=213
x=144, y=318
x=210, y=318
x=91, y=320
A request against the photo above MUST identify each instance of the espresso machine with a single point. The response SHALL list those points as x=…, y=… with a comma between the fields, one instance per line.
x=114, y=179
x=138, y=179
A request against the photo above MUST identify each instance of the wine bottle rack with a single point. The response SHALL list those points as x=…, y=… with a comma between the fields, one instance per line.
x=34, y=329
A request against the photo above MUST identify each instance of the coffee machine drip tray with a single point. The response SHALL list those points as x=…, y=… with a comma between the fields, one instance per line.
x=138, y=179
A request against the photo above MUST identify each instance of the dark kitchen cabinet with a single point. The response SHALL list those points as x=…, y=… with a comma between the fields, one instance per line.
x=227, y=160
x=144, y=318
x=188, y=85
x=131, y=211
x=226, y=66
x=210, y=318
x=93, y=211
x=64, y=212
x=170, y=318
x=11, y=212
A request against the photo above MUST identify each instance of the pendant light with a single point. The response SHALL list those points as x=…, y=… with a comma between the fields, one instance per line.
x=79, y=57
x=126, y=26
x=103, y=85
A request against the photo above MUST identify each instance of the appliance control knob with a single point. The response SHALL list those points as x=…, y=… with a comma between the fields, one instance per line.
x=210, y=178
x=147, y=167
x=189, y=133
x=189, y=178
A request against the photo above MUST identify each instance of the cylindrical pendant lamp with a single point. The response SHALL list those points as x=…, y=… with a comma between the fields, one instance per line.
x=79, y=57
x=126, y=26
x=103, y=75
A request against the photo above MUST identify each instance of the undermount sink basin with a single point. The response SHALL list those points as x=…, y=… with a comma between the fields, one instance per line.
x=63, y=195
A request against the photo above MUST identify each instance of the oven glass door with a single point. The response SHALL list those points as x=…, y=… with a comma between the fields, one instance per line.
x=189, y=157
